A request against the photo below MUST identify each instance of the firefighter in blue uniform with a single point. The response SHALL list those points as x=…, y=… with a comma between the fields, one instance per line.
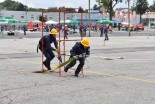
x=80, y=50
x=47, y=49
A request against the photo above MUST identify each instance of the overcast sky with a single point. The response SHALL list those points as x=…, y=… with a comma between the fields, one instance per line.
x=67, y=3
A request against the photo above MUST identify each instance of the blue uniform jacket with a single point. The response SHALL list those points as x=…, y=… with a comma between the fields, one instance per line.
x=48, y=40
x=78, y=49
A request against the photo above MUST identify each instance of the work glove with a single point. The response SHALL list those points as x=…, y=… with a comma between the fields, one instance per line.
x=83, y=55
x=59, y=58
x=76, y=57
x=58, y=51
x=87, y=56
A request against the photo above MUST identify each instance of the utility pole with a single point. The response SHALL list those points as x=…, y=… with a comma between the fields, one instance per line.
x=89, y=16
x=149, y=19
x=129, y=17
x=26, y=8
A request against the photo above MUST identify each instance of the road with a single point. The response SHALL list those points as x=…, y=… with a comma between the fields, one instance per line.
x=118, y=71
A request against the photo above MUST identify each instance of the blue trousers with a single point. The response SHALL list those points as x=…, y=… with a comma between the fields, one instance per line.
x=80, y=66
x=48, y=53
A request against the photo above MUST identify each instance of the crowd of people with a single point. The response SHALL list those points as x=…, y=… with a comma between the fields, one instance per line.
x=11, y=28
x=66, y=29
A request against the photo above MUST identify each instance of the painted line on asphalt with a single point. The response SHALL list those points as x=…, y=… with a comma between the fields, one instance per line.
x=27, y=61
x=10, y=51
x=98, y=73
x=124, y=77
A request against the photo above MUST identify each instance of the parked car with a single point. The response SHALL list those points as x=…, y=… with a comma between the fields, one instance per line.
x=133, y=27
x=136, y=27
x=141, y=27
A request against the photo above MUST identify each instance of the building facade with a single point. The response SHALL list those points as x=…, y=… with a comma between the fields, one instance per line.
x=121, y=15
x=31, y=16
x=147, y=18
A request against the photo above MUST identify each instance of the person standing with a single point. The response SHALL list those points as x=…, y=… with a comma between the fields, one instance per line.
x=80, y=50
x=2, y=29
x=81, y=30
x=101, y=29
x=47, y=49
x=24, y=29
x=65, y=31
x=119, y=26
x=106, y=29
x=74, y=28
x=85, y=30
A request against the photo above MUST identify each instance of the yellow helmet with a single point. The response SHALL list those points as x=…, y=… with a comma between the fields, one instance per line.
x=85, y=42
x=54, y=32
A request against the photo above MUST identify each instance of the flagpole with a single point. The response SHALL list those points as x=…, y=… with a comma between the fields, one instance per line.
x=129, y=17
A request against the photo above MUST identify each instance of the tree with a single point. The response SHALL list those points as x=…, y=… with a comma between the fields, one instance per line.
x=12, y=5
x=141, y=7
x=109, y=5
x=80, y=10
x=16, y=6
x=152, y=7
x=44, y=19
x=52, y=9
x=70, y=10
x=95, y=7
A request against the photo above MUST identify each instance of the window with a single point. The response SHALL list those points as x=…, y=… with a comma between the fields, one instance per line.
x=22, y=16
x=12, y=16
x=32, y=16
x=50, y=17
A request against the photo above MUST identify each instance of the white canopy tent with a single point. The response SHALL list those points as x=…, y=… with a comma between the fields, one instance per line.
x=36, y=21
x=66, y=21
x=125, y=23
x=51, y=22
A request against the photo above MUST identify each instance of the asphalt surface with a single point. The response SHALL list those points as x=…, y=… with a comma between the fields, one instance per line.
x=118, y=71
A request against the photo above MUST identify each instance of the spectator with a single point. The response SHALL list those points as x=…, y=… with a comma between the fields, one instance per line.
x=101, y=30
x=24, y=29
x=106, y=29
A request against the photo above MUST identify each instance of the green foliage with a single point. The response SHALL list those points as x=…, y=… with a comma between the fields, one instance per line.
x=54, y=9
x=80, y=10
x=86, y=11
x=141, y=7
x=109, y=5
x=12, y=5
x=34, y=9
x=44, y=19
x=95, y=7
x=16, y=6
x=152, y=7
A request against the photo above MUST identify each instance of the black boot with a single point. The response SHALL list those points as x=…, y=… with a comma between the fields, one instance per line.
x=48, y=68
x=66, y=69
x=76, y=75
